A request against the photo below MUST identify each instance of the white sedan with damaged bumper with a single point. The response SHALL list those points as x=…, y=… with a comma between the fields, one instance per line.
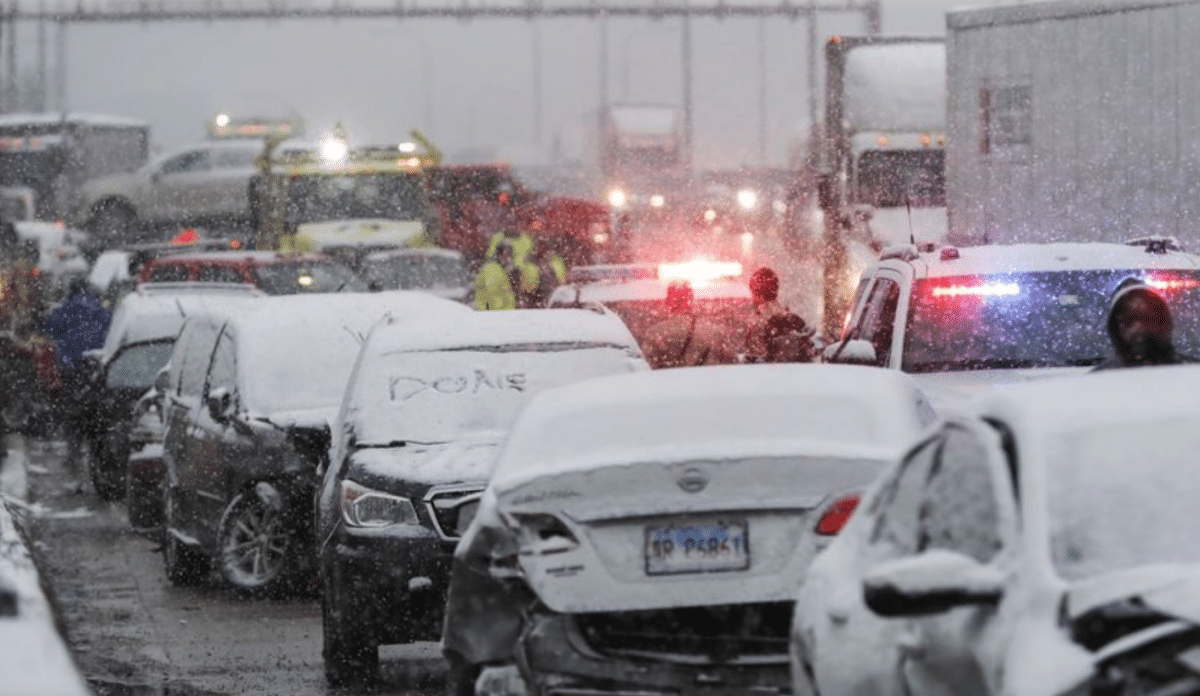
x=657, y=524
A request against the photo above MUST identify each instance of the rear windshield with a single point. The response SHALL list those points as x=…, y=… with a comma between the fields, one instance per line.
x=293, y=278
x=136, y=366
x=640, y=315
x=415, y=271
x=1045, y=319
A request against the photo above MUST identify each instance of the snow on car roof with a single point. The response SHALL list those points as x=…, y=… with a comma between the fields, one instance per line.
x=1119, y=397
x=152, y=316
x=386, y=254
x=295, y=352
x=644, y=289
x=432, y=380
x=254, y=257
x=1025, y=258
x=696, y=413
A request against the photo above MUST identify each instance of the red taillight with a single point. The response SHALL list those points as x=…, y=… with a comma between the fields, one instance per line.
x=837, y=515
x=1171, y=282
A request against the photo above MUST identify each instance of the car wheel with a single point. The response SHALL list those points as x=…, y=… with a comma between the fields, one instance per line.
x=185, y=565
x=350, y=651
x=113, y=223
x=254, y=546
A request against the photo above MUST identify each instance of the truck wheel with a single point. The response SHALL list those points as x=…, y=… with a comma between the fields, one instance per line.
x=113, y=223
x=349, y=648
x=185, y=566
x=255, y=548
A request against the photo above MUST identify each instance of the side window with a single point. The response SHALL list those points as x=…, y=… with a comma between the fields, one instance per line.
x=960, y=512
x=197, y=358
x=897, y=510
x=195, y=160
x=879, y=318
x=863, y=282
x=223, y=373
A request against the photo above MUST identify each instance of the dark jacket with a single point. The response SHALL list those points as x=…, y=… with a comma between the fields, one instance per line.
x=77, y=325
x=1120, y=354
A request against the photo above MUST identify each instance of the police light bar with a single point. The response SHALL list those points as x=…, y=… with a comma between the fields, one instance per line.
x=699, y=270
x=989, y=290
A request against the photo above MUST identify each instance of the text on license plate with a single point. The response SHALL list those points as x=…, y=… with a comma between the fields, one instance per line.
x=697, y=547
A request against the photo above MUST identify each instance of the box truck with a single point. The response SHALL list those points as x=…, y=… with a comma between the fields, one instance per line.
x=1074, y=121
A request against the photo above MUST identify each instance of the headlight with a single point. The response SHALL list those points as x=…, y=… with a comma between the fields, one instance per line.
x=617, y=198
x=364, y=507
x=748, y=199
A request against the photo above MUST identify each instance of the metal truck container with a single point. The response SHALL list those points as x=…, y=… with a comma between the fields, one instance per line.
x=1074, y=121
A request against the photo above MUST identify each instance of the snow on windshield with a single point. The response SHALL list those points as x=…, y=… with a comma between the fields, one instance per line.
x=1097, y=523
x=444, y=395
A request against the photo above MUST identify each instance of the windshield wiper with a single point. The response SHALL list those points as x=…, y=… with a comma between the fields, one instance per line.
x=381, y=445
x=978, y=364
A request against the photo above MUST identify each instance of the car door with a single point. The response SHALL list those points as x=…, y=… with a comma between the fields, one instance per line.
x=876, y=322
x=967, y=507
x=226, y=188
x=170, y=191
x=187, y=459
x=216, y=441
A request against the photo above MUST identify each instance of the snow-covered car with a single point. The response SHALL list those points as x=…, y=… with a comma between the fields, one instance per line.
x=140, y=339
x=425, y=413
x=722, y=295
x=1041, y=543
x=646, y=533
x=442, y=272
x=964, y=319
x=252, y=395
x=203, y=184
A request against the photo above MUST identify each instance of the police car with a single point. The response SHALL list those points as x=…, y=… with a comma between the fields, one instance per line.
x=637, y=292
x=976, y=316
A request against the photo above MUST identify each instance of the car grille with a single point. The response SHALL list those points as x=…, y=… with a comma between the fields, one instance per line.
x=695, y=635
x=452, y=509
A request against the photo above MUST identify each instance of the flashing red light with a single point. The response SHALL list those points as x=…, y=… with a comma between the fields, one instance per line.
x=186, y=236
x=837, y=515
x=235, y=244
x=1171, y=282
x=699, y=271
x=984, y=290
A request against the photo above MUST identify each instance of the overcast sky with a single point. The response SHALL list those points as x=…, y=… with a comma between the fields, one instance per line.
x=469, y=85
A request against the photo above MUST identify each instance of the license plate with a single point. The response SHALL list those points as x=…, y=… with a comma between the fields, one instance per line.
x=702, y=546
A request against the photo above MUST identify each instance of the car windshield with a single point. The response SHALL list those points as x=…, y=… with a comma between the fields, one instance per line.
x=327, y=198
x=293, y=278
x=1043, y=319
x=1097, y=523
x=415, y=271
x=135, y=366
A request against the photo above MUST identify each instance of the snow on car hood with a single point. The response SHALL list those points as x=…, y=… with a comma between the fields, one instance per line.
x=1169, y=588
x=366, y=232
x=470, y=459
x=954, y=390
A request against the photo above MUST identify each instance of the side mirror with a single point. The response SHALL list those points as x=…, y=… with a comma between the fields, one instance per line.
x=220, y=405
x=162, y=381
x=929, y=583
x=852, y=352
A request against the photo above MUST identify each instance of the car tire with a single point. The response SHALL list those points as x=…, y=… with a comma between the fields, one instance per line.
x=349, y=649
x=114, y=223
x=255, y=548
x=185, y=565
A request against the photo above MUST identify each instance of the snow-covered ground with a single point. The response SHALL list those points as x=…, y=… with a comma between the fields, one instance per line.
x=35, y=660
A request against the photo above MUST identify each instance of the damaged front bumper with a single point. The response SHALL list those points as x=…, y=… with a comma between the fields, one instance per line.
x=557, y=657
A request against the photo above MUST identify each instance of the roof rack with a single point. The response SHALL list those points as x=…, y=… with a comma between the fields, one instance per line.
x=1156, y=244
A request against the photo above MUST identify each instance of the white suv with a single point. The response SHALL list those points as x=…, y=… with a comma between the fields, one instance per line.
x=1026, y=309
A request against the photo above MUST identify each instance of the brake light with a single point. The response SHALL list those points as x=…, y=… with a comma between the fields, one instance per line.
x=1171, y=282
x=699, y=271
x=837, y=515
x=985, y=290
x=544, y=534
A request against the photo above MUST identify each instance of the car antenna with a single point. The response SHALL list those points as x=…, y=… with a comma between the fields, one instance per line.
x=912, y=236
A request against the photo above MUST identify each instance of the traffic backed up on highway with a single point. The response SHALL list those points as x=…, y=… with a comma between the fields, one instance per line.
x=252, y=394
x=645, y=533
x=1041, y=543
x=424, y=415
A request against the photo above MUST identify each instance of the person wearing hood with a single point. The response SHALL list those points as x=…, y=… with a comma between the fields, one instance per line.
x=684, y=338
x=76, y=326
x=1140, y=327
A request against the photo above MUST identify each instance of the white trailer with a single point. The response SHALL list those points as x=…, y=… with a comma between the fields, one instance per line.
x=1074, y=120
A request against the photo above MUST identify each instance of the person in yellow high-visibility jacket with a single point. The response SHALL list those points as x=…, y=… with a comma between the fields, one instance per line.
x=498, y=281
x=544, y=272
x=521, y=241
